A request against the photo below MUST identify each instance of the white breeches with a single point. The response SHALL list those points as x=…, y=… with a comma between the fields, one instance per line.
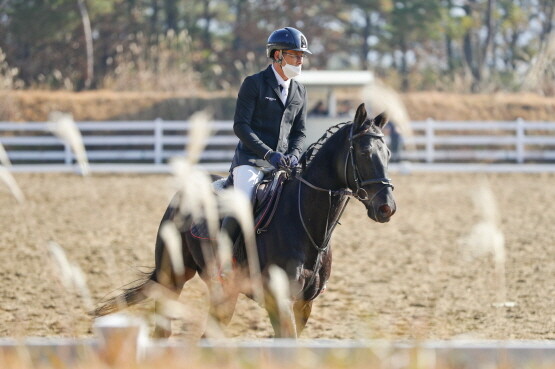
x=246, y=177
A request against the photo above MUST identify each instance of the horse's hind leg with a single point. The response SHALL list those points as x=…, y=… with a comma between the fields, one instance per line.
x=162, y=328
x=171, y=283
x=302, y=310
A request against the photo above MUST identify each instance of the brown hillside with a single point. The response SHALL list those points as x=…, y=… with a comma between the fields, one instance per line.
x=108, y=105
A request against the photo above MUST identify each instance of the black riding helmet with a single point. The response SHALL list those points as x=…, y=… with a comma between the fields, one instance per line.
x=287, y=38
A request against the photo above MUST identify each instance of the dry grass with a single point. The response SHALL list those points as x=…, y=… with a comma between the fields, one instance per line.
x=448, y=106
x=110, y=105
x=100, y=105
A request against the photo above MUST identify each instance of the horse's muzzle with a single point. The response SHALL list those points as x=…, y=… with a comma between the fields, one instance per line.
x=382, y=213
x=381, y=206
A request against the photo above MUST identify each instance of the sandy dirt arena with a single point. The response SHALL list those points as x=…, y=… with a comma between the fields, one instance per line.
x=421, y=275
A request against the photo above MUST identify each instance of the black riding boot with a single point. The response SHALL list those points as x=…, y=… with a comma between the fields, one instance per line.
x=232, y=228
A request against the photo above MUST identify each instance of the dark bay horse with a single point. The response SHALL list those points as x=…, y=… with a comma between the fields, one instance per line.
x=350, y=162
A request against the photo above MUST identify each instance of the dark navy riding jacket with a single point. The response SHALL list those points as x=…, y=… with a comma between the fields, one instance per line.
x=262, y=122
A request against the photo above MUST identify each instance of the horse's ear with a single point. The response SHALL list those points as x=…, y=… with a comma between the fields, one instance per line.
x=381, y=120
x=360, y=116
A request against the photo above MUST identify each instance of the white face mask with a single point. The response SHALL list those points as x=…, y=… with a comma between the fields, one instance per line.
x=291, y=71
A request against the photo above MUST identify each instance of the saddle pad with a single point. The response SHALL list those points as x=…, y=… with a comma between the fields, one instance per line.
x=266, y=199
x=200, y=231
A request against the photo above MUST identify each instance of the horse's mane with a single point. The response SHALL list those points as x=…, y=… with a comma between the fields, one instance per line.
x=313, y=149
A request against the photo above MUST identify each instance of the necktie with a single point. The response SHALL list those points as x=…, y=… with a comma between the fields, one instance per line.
x=283, y=93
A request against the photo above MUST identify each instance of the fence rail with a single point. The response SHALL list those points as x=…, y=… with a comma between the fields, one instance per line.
x=29, y=145
x=148, y=145
x=486, y=142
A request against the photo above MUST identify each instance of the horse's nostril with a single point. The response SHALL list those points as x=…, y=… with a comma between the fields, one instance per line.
x=385, y=210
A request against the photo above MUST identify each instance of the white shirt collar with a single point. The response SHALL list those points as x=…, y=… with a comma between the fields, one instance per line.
x=280, y=80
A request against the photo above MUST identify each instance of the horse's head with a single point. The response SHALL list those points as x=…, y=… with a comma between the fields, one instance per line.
x=366, y=166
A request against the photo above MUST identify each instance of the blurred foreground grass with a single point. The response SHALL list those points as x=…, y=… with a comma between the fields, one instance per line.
x=276, y=354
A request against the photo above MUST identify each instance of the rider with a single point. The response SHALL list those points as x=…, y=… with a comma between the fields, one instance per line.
x=270, y=115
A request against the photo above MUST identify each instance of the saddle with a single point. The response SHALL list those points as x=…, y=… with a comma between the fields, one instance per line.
x=264, y=203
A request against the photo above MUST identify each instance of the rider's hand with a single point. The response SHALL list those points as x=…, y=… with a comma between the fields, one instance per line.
x=277, y=159
x=293, y=161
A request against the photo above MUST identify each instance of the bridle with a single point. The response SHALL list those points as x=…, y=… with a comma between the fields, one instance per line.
x=357, y=178
x=359, y=193
x=359, y=182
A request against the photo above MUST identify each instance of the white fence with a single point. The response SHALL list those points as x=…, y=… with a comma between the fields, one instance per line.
x=148, y=145
x=487, y=142
x=118, y=146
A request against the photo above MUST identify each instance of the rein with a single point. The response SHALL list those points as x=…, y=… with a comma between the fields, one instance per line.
x=348, y=192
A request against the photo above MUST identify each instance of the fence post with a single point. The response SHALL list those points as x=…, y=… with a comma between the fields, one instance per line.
x=158, y=138
x=520, y=135
x=429, y=140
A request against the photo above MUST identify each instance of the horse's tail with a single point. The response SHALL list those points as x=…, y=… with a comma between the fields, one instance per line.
x=129, y=296
x=134, y=295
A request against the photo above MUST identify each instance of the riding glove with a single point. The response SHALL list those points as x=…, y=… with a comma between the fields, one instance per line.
x=277, y=159
x=293, y=161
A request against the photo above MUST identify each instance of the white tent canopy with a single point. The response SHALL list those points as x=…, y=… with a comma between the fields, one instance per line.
x=333, y=79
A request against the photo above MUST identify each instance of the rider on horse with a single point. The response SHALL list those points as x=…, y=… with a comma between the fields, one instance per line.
x=270, y=116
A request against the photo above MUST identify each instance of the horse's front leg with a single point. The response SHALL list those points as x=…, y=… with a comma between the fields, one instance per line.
x=302, y=310
x=281, y=316
x=223, y=294
x=223, y=298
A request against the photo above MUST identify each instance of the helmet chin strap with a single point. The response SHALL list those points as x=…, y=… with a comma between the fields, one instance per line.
x=280, y=60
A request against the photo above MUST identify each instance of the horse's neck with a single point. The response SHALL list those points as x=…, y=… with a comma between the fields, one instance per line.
x=320, y=211
x=327, y=168
x=325, y=171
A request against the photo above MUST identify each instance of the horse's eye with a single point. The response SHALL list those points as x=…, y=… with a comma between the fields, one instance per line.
x=367, y=152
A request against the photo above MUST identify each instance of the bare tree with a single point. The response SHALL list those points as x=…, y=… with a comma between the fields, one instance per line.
x=89, y=73
x=475, y=49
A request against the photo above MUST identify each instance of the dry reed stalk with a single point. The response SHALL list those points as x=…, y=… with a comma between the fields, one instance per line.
x=63, y=126
x=197, y=203
x=11, y=183
x=4, y=158
x=279, y=287
x=225, y=254
x=486, y=238
x=71, y=275
x=172, y=240
x=172, y=308
x=235, y=203
x=198, y=134
x=382, y=98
